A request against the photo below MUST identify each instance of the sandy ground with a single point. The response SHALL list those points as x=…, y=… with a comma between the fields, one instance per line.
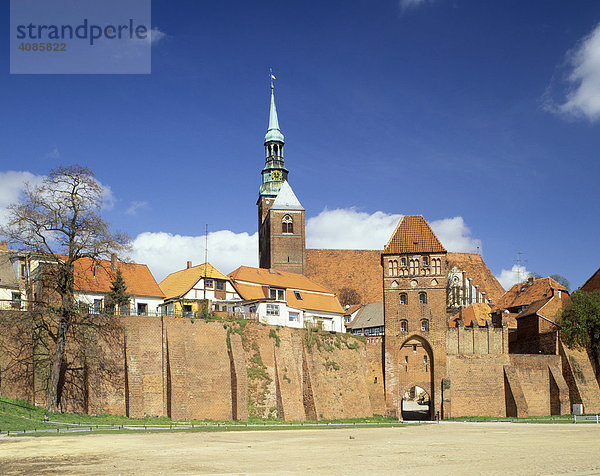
x=447, y=448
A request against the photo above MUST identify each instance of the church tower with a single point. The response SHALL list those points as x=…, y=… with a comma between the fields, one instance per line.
x=280, y=215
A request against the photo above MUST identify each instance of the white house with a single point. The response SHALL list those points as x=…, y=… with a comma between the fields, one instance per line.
x=186, y=291
x=287, y=299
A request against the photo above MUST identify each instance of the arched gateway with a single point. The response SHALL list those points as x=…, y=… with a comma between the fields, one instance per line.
x=415, y=379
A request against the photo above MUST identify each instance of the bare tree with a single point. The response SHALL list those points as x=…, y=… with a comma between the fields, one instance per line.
x=60, y=221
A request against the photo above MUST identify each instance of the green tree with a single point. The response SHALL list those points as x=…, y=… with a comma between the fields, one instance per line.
x=59, y=221
x=118, y=297
x=580, y=322
x=562, y=280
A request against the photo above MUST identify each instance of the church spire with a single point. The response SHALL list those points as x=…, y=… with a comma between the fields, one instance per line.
x=273, y=132
x=274, y=172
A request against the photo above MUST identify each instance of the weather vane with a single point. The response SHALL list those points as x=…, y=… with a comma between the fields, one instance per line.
x=271, y=77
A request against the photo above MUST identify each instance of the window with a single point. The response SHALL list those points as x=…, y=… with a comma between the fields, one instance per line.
x=220, y=285
x=425, y=261
x=142, y=309
x=403, y=298
x=97, y=306
x=424, y=325
x=293, y=316
x=277, y=294
x=124, y=309
x=272, y=309
x=393, y=267
x=16, y=301
x=403, y=326
x=424, y=359
x=412, y=267
x=208, y=283
x=297, y=295
x=437, y=265
x=22, y=270
x=347, y=319
x=406, y=359
x=287, y=224
x=416, y=266
x=422, y=298
x=414, y=349
x=402, y=261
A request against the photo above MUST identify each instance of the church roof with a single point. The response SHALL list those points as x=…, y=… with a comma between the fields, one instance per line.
x=356, y=269
x=478, y=271
x=179, y=283
x=413, y=235
x=286, y=199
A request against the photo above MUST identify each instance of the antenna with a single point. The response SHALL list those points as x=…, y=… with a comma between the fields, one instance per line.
x=519, y=261
x=205, y=258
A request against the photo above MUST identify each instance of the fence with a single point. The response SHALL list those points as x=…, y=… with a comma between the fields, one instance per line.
x=22, y=305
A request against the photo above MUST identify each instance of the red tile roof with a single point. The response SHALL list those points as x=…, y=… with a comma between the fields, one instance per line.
x=253, y=283
x=98, y=278
x=355, y=269
x=478, y=271
x=523, y=294
x=475, y=314
x=592, y=283
x=413, y=235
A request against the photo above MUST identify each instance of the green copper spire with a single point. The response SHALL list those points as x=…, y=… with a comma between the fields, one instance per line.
x=274, y=174
x=273, y=132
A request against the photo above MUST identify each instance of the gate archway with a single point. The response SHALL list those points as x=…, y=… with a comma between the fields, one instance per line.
x=415, y=379
x=416, y=404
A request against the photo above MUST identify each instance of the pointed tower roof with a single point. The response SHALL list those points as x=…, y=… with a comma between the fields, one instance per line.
x=273, y=132
x=413, y=235
x=286, y=199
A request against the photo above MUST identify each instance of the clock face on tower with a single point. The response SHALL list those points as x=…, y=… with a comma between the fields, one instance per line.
x=276, y=174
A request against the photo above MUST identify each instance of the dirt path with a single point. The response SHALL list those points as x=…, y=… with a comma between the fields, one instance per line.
x=448, y=448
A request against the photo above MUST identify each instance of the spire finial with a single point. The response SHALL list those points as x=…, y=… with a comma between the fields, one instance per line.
x=271, y=78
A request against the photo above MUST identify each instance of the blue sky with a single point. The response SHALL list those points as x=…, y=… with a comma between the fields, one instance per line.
x=481, y=116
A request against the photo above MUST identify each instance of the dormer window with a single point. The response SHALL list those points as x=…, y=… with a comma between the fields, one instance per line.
x=287, y=224
x=277, y=294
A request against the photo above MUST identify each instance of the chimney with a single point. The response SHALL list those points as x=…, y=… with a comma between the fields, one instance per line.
x=113, y=261
x=189, y=264
x=3, y=246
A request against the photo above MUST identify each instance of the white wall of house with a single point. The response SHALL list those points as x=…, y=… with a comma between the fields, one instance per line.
x=197, y=292
x=278, y=313
x=151, y=303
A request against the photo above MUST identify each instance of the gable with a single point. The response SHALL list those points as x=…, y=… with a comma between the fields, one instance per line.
x=413, y=235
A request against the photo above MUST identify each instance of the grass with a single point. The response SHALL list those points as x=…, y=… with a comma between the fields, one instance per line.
x=18, y=415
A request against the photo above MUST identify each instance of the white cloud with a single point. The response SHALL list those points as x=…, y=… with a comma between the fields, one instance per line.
x=166, y=253
x=12, y=186
x=407, y=4
x=156, y=36
x=583, y=100
x=135, y=206
x=348, y=228
x=54, y=154
x=455, y=235
x=510, y=277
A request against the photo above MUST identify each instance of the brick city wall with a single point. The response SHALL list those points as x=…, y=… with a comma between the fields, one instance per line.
x=235, y=370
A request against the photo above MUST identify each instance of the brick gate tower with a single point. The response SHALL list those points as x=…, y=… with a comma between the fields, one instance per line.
x=415, y=278
x=281, y=236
